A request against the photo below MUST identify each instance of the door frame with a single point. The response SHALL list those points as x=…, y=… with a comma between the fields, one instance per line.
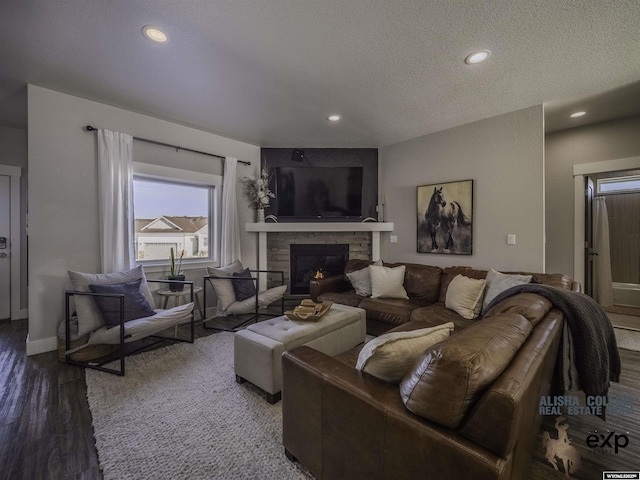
x=579, y=172
x=15, y=173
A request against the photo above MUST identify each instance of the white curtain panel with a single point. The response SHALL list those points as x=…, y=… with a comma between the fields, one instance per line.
x=230, y=241
x=603, y=284
x=115, y=191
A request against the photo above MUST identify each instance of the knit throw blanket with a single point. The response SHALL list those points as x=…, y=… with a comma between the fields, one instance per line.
x=592, y=347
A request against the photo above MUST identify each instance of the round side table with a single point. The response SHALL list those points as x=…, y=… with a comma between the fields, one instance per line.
x=178, y=297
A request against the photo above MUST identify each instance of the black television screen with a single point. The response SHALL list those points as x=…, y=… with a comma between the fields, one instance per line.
x=319, y=192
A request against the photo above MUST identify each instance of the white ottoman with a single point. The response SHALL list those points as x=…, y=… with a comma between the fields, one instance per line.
x=257, y=352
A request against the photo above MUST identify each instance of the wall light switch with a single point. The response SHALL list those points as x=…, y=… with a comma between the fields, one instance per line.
x=393, y=238
x=511, y=239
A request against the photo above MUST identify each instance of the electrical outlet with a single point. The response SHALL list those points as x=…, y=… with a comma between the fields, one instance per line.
x=393, y=238
x=511, y=239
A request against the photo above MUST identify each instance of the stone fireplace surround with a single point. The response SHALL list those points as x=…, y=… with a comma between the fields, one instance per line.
x=274, y=240
x=279, y=243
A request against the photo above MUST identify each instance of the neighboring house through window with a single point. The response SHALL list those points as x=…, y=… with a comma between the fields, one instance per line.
x=175, y=209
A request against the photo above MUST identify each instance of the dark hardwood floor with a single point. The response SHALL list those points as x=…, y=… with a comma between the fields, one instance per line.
x=46, y=432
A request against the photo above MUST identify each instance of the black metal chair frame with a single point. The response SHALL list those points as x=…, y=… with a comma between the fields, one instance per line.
x=99, y=365
x=256, y=314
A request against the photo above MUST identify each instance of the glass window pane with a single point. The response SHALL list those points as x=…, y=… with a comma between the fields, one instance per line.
x=171, y=215
x=621, y=184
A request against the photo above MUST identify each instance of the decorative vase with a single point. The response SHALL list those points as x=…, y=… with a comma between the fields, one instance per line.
x=260, y=215
x=176, y=287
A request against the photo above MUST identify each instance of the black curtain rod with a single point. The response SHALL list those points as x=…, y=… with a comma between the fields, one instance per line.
x=89, y=128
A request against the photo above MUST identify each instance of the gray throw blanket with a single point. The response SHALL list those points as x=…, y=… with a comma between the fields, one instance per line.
x=595, y=351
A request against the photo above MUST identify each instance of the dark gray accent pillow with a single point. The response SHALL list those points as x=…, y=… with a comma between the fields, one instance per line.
x=243, y=288
x=135, y=305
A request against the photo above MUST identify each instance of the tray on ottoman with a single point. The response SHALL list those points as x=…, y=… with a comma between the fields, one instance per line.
x=308, y=311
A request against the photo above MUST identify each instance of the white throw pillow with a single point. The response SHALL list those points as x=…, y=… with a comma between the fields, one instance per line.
x=223, y=287
x=248, y=305
x=361, y=280
x=389, y=356
x=387, y=282
x=499, y=282
x=464, y=296
x=89, y=317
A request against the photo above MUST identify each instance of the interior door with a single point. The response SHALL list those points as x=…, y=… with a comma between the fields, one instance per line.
x=5, y=247
x=588, y=236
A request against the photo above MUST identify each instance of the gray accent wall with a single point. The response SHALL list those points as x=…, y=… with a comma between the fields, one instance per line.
x=62, y=192
x=367, y=158
x=594, y=143
x=504, y=156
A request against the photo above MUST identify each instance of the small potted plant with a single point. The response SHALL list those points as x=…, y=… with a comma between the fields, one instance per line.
x=174, y=271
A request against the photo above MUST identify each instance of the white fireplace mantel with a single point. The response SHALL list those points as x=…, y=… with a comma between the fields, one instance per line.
x=264, y=228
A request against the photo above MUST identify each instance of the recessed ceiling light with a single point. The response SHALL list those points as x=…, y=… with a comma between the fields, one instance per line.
x=477, y=57
x=334, y=118
x=154, y=34
x=577, y=114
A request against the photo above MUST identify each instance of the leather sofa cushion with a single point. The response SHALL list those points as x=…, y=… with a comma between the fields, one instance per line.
x=451, y=375
x=436, y=314
x=388, y=310
x=558, y=280
x=449, y=273
x=495, y=421
x=354, y=264
x=531, y=306
x=349, y=297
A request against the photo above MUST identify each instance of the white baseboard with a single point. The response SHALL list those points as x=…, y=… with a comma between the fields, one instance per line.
x=34, y=347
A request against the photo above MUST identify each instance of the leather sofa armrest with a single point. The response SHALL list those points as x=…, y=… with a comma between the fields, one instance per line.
x=310, y=382
x=341, y=423
x=334, y=283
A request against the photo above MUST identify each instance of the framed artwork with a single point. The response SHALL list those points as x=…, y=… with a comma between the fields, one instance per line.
x=445, y=218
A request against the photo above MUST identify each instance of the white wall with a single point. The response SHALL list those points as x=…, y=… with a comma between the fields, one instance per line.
x=504, y=156
x=14, y=153
x=62, y=189
x=564, y=149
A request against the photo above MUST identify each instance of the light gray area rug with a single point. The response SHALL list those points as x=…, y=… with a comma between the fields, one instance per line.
x=179, y=414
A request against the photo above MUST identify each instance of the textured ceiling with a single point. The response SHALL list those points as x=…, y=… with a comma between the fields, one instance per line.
x=269, y=72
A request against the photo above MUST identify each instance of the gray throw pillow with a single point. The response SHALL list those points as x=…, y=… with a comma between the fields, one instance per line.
x=135, y=305
x=361, y=280
x=89, y=317
x=499, y=282
x=243, y=285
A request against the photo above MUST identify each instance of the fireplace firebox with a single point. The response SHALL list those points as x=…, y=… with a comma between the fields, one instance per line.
x=308, y=261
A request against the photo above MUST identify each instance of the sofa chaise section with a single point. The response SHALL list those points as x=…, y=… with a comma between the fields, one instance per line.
x=342, y=423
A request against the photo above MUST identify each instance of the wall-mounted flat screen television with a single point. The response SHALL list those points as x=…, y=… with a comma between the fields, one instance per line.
x=319, y=192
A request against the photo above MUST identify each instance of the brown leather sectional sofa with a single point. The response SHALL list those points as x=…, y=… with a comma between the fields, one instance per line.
x=426, y=286
x=467, y=409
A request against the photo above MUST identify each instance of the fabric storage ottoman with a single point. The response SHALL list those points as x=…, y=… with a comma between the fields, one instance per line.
x=257, y=350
